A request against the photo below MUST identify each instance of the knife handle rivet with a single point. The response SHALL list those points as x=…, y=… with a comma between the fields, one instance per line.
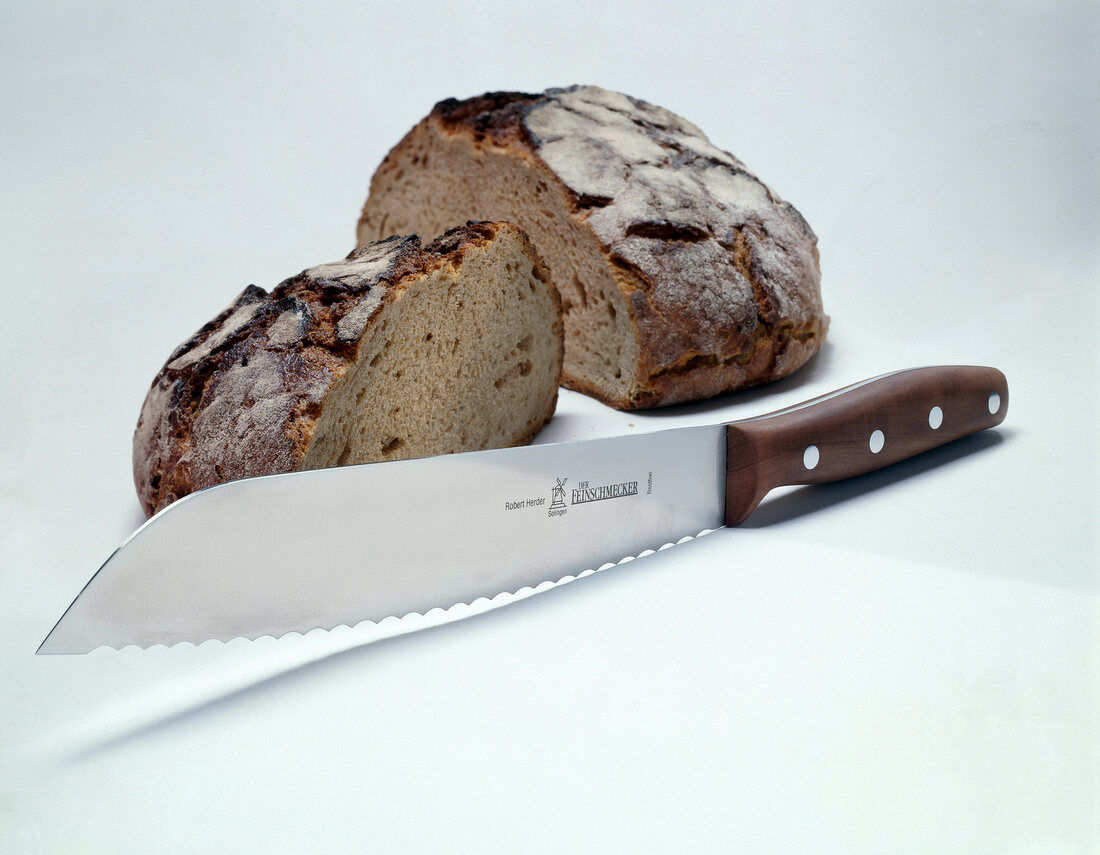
x=935, y=418
x=994, y=403
x=811, y=456
x=878, y=440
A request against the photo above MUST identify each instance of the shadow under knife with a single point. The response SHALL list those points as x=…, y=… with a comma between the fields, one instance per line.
x=814, y=498
x=311, y=669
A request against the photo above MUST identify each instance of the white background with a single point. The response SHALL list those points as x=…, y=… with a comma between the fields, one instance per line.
x=908, y=662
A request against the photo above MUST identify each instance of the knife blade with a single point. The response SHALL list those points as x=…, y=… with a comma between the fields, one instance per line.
x=323, y=548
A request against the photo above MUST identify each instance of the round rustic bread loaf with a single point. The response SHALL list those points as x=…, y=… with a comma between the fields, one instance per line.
x=397, y=351
x=682, y=275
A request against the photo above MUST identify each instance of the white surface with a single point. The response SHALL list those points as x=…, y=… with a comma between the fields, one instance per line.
x=904, y=663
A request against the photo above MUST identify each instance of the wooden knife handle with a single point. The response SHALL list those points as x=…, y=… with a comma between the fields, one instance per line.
x=858, y=429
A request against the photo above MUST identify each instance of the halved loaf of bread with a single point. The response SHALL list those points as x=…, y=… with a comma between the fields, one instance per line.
x=397, y=351
x=682, y=275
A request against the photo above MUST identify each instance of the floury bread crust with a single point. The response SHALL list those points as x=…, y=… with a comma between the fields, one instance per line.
x=397, y=351
x=682, y=275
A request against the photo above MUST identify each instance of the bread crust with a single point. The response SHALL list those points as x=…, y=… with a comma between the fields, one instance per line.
x=241, y=397
x=721, y=276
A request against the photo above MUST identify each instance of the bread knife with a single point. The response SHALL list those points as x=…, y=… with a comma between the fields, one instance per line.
x=324, y=548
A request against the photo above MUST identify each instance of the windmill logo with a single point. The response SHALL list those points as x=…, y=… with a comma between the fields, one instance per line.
x=557, y=495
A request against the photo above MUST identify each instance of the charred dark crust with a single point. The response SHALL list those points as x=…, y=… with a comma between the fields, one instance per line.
x=665, y=231
x=496, y=116
x=251, y=294
x=460, y=238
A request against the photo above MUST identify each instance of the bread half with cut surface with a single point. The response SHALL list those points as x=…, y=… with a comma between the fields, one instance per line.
x=681, y=273
x=400, y=350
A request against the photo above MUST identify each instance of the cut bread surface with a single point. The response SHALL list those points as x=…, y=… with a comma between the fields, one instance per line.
x=468, y=177
x=455, y=363
x=397, y=351
x=681, y=274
